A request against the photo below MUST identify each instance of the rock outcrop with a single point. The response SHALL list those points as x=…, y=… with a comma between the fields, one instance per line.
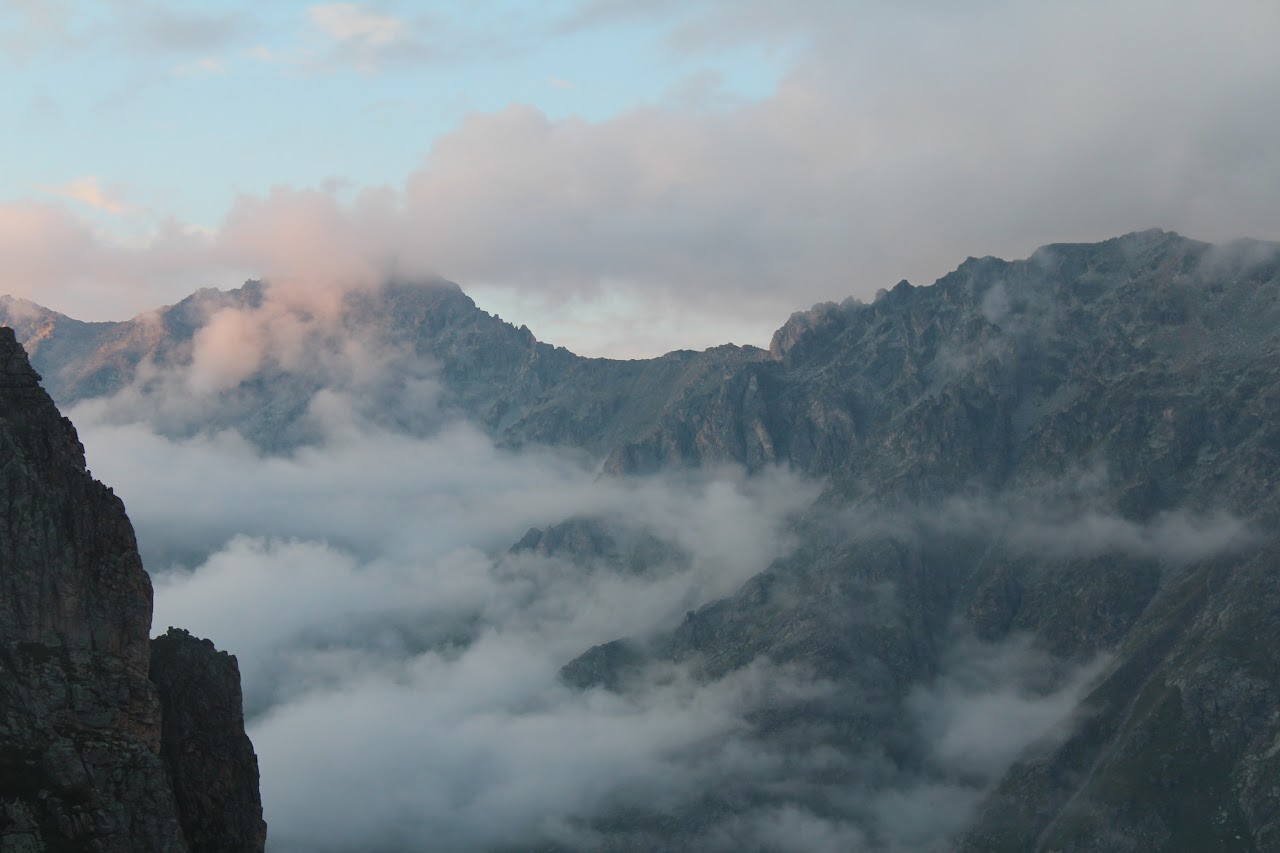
x=82, y=764
x=203, y=744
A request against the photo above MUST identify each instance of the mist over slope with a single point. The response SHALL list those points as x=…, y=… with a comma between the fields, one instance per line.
x=975, y=563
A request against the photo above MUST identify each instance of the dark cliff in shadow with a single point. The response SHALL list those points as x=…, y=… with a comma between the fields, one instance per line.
x=96, y=750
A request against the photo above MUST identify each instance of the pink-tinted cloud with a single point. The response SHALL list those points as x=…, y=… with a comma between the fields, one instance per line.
x=89, y=190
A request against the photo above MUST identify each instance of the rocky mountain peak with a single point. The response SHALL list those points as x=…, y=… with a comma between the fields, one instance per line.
x=800, y=324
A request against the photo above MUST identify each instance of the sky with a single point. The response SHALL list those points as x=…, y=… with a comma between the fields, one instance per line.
x=625, y=178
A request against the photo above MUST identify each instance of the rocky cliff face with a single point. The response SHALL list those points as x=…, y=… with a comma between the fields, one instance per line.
x=203, y=744
x=82, y=763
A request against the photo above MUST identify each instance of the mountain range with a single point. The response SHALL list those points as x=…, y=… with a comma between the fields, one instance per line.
x=1046, y=495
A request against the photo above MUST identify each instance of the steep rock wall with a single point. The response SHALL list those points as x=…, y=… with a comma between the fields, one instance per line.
x=81, y=766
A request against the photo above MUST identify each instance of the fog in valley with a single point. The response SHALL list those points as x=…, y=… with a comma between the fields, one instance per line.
x=400, y=657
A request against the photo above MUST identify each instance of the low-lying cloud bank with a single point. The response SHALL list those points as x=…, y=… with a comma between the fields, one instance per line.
x=399, y=663
x=400, y=660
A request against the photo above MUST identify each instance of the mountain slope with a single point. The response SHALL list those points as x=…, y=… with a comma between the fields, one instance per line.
x=82, y=763
x=1081, y=448
x=1049, y=505
x=399, y=350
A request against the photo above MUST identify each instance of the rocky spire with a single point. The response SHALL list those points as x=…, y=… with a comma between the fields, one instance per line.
x=80, y=721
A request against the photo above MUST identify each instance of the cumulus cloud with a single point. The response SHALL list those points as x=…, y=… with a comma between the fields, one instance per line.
x=897, y=143
x=310, y=238
x=55, y=258
x=309, y=243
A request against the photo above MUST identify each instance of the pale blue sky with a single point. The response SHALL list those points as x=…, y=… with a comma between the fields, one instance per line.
x=624, y=176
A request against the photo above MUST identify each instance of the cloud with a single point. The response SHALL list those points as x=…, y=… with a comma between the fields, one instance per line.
x=352, y=22
x=341, y=36
x=856, y=173
x=88, y=190
x=789, y=827
x=262, y=53
x=226, y=351
x=1063, y=518
x=150, y=29
x=993, y=699
x=55, y=258
x=32, y=25
x=162, y=27
x=366, y=587
x=897, y=143
x=312, y=238
x=988, y=704
x=479, y=751
x=1059, y=530
x=203, y=66
x=364, y=581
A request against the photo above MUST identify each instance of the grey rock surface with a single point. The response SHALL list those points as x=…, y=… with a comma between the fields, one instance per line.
x=1029, y=449
x=81, y=765
x=204, y=747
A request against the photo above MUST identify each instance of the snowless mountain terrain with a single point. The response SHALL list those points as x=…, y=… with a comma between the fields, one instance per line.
x=988, y=564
